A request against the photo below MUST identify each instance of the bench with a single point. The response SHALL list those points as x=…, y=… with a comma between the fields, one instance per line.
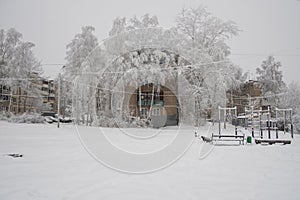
x=239, y=138
x=272, y=141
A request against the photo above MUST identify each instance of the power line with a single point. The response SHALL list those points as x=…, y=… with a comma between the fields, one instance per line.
x=54, y=64
x=262, y=55
x=22, y=79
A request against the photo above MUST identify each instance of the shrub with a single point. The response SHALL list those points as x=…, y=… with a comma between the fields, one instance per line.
x=27, y=118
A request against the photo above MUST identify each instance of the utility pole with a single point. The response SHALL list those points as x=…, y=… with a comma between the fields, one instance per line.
x=58, y=99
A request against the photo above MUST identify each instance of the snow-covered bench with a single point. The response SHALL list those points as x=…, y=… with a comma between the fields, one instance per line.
x=272, y=141
x=239, y=138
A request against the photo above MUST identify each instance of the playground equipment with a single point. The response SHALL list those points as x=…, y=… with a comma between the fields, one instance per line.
x=254, y=114
x=228, y=112
x=285, y=111
x=258, y=119
x=269, y=124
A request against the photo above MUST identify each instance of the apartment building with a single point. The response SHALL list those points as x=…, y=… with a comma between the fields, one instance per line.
x=37, y=95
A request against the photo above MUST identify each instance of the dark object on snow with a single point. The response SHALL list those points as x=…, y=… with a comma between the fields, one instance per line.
x=65, y=120
x=270, y=141
x=15, y=155
x=249, y=139
x=206, y=139
x=48, y=114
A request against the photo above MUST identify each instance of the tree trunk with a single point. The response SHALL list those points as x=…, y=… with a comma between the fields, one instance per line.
x=152, y=98
x=140, y=100
x=10, y=100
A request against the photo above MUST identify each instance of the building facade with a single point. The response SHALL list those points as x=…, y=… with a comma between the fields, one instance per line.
x=37, y=95
x=249, y=94
x=145, y=86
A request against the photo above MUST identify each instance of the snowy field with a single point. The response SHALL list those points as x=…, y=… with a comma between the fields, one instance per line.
x=56, y=165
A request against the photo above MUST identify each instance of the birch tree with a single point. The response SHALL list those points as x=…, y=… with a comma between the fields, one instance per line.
x=122, y=24
x=18, y=66
x=205, y=38
x=78, y=51
x=271, y=79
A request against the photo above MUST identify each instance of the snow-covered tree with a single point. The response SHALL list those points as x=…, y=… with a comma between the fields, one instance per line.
x=145, y=22
x=139, y=52
x=291, y=99
x=205, y=33
x=212, y=74
x=9, y=40
x=19, y=67
x=24, y=69
x=121, y=24
x=296, y=120
x=79, y=49
x=270, y=77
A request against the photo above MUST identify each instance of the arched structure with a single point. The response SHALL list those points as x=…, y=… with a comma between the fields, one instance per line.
x=130, y=66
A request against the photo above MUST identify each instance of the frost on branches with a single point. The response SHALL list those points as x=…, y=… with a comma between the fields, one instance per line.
x=291, y=99
x=18, y=69
x=270, y=78
x=190, y=60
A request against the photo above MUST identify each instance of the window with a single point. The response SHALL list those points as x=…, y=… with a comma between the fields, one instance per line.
x=156, y=111
x=159, y=98
x=146, y=98
x=144, y=112
x=4, y=97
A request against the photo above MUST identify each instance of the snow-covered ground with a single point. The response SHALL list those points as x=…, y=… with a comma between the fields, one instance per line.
x=56, y=165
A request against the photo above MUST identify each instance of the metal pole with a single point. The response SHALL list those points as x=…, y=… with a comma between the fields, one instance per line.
x=252, y=122
x=219, y=121
x=77, y=103
x=276, y=126
x=268, y=125
x=224, y=111
x=58, y=100
x=284, y=122
x=140, y=100
x=235, y=120
x=292, y=126
x=276, y=115
x=235, y=111
x=260, y=126
x=245, y=119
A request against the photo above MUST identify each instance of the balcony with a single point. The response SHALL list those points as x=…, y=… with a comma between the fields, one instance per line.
x=148, y=103
x=45, y=93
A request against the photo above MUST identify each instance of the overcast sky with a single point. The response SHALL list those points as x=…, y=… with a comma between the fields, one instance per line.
x=269, y=27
